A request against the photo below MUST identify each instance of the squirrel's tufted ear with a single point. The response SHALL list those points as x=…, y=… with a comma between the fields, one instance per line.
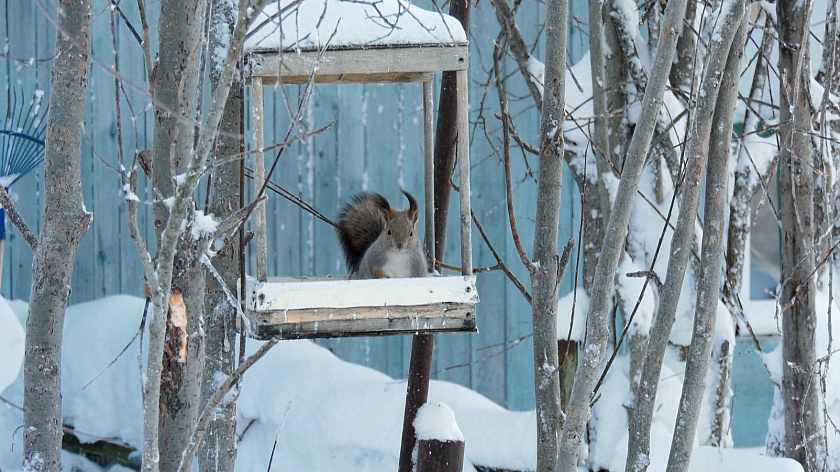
x=382, y=203
x=413, y=211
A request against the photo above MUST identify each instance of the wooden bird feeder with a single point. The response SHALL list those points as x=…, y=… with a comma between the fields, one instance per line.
x=355, y=43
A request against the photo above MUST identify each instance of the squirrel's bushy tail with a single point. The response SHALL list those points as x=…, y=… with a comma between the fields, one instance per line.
x=359, y=224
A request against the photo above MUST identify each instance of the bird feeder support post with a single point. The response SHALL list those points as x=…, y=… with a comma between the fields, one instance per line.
x=259, y=175
x=429, y=171
x=463, y=155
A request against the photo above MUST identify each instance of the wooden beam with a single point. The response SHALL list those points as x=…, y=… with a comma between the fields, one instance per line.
x=361, y=65
x=295, y=308
x=306, y=293
x=386, y=78
x=362, y=321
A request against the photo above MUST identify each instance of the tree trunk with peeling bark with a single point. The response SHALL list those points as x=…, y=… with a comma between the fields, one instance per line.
x=175, y=88
x=65, y=221
x=799, y=384
x=182, y=148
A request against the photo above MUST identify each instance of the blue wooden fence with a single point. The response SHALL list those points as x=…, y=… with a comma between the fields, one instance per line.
x=376, y=144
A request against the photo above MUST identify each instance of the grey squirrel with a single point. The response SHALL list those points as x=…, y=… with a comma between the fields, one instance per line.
x=378, y=241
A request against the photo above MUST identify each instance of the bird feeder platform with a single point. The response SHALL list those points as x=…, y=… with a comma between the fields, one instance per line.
x=351, y=43
x=283, y=308
x=389, y=41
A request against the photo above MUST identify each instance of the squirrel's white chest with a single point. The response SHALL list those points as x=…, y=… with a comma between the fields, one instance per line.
x=397, y=264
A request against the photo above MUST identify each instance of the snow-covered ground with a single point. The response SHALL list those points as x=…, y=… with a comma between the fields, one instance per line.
x=324, y=414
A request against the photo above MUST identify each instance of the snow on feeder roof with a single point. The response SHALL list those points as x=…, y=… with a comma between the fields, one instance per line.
x=342, y=24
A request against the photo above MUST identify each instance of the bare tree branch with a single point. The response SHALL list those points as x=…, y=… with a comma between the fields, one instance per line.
x=17, y=220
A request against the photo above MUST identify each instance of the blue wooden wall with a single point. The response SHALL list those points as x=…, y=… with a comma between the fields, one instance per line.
x=376, y=144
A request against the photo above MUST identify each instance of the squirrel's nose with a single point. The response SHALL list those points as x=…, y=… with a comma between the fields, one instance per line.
x=400, y=245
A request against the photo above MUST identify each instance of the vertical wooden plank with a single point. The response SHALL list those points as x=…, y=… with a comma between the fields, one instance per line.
x=489, y=345
x=324, y=167
x=101, y=127
x=288, y=217
x=259, y=175
x=272, y=205
x=463, y=153
x=429, y=171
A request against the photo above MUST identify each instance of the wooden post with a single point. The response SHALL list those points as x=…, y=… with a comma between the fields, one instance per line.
x=440, y=456
x=429, y=172
x=417, y=392
x=259, y=175
x=464, y=170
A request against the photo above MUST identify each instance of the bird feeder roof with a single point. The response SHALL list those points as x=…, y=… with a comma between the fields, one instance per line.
x=308, y=25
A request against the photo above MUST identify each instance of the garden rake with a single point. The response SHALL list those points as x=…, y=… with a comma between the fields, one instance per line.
x=21, y=146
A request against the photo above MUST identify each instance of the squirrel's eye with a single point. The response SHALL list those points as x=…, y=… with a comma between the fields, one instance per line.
x=411, y=234
x=389, y=231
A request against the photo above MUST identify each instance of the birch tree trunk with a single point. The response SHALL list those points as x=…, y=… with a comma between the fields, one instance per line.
x=714, y=224
x=65, y=221
x=544, y=281
x=578, y=412
x=799, y=384
x=218, y=449
x=681, y=244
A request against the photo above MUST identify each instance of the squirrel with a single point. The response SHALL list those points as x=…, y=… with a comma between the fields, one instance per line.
x=379, y=242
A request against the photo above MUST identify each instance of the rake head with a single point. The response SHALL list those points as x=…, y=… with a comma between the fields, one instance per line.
x=22, y=137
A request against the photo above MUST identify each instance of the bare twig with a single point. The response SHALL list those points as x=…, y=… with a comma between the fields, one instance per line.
x=17, y=220
x=500, y=261
x=134, y=338
x=216, y=400
x=503, y=104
